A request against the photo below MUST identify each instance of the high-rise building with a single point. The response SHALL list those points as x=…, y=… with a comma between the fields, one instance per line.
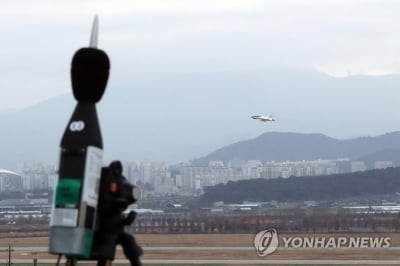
x=357, y=166
x=10, y=181
x=383, y=164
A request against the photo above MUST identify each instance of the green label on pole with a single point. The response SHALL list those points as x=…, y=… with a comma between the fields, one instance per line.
x=68, y=191
x=89, y=237
x=89, y=243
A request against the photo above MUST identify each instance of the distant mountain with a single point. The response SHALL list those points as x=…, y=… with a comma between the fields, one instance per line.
x=280, y=146
x=172, y=118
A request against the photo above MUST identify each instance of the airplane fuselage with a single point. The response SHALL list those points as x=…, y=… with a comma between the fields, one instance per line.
x=263, y=118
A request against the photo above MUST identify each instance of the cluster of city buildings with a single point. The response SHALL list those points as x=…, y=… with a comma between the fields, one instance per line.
x=357, y=166
x=36, y=176
x=161, y=178
x=188, y=177
x=196, y=177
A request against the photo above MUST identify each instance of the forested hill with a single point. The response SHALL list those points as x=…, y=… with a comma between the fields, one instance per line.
x=332, y=187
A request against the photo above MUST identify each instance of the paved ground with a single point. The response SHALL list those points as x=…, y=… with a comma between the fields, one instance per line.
x=222, y=262
x=220, y=249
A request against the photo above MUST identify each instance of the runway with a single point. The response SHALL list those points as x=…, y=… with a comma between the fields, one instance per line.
x=227, y=262
x=45, y=249
x=31, y=252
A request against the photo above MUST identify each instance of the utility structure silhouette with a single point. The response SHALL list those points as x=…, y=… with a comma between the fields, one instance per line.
x=85, y=225
x=73, y=219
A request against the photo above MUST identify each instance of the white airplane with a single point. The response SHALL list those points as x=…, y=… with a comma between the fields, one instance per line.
x=263, y=118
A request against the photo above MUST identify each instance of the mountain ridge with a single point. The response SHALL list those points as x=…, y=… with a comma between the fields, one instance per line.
x=288, y=146
x=177, y=118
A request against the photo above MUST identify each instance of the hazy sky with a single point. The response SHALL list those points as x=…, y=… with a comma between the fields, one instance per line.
x=153, y=37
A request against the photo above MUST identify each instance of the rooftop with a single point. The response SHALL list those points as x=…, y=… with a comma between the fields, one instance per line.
x=3, y=171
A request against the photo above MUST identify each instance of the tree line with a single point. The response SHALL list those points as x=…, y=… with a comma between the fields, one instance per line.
x=292, y=189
